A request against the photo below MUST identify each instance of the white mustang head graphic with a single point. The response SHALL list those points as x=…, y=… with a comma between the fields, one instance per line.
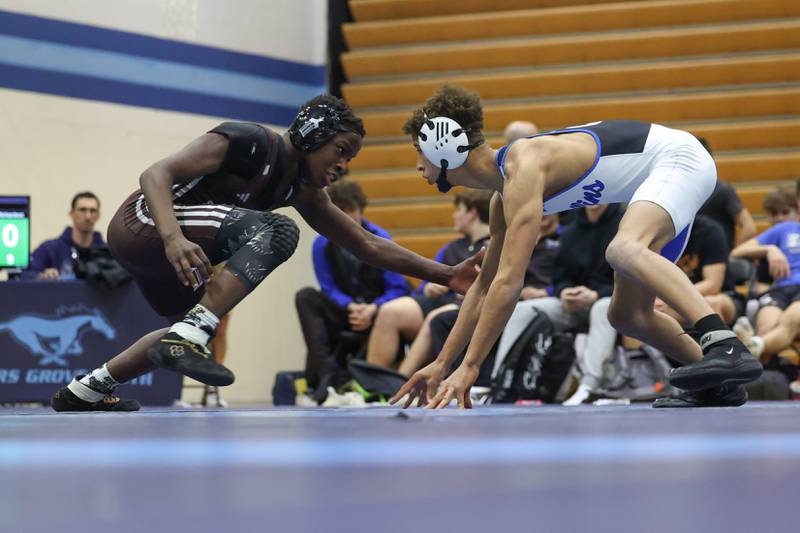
x=55, y=337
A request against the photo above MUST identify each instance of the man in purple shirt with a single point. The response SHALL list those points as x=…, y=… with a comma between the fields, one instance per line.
x=53, y=259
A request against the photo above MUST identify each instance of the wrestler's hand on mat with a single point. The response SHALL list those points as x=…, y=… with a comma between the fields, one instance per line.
x=184, y=255
x=456, y=386
x=421, y=385
x=778, y=265
x=465, y=272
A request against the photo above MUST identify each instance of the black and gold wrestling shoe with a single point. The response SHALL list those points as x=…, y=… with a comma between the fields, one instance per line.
x=726, y=361
x=181, y=355
x=66, y=400
x=725, y=396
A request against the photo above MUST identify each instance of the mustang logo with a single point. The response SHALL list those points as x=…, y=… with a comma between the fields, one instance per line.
x=54, y=338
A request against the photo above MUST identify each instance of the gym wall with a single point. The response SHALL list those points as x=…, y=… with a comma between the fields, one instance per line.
x=94, y=91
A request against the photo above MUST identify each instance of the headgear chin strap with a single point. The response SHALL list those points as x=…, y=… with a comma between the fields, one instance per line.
x=445, y=143
x=314, y=126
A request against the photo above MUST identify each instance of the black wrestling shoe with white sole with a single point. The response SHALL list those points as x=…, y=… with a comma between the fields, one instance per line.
x=726, y=361
x=725, y=396
x=66, y=400
x=181, y=355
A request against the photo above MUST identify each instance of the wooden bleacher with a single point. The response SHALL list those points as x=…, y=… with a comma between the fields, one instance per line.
x=728, y=70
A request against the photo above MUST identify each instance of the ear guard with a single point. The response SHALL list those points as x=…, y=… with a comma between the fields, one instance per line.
x=444, y=142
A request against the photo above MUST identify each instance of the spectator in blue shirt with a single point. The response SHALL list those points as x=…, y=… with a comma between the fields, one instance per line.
x=406, y=319
x=778, y=319
x=54, y=259
x=351, y=292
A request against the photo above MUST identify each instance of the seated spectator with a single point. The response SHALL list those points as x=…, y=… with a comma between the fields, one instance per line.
x=54, y=259
x=725, y=207
x=403, y=318
x=350, y=296
x=778, y=319
x=780, y=205
x=705, y=262
x=537, y=284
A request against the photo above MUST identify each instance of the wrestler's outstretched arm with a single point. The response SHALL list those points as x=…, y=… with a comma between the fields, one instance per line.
x=316, y=208
x=424, y=383
x=522, y=210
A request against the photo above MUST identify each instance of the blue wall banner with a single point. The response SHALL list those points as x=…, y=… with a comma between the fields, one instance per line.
x=82, y=61
x=52, y=331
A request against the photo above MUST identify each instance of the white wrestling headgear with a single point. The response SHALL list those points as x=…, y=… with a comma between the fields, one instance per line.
x=444, y=142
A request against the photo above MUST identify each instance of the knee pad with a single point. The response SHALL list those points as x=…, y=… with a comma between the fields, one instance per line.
x=285, y=234
x=256, y=242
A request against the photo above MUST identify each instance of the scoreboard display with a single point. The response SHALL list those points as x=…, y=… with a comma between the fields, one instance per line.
x=15, y=241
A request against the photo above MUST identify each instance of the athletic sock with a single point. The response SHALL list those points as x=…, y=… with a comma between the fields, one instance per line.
x=198, y=326
x=712, y=329
x=94, y=386
x=707, y=324
x=756, y=346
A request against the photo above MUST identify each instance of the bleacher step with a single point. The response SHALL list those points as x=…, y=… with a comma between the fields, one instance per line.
x=765, y=134
x=561, y=20
x=673, y=42
x=663, y=109
x=592, y=80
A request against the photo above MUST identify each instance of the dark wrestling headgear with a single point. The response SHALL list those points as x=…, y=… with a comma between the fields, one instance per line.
x=315, y=126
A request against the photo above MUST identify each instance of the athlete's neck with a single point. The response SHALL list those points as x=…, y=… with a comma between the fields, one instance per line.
x=291, y=163
x=479, y=171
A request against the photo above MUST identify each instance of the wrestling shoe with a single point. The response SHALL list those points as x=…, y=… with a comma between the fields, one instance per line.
x=175, y=353
x=66, y=400
x=725, y=396
x=726, y=361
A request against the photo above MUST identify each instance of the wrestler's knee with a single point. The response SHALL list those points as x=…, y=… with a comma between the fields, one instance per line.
x=263, y=247
x=622, y=251
x=285, y=234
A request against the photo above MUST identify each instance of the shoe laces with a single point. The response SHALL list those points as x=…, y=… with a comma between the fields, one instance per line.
x=197, y=348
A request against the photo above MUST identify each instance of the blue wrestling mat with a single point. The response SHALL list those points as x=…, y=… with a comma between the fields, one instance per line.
x=588, y=469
